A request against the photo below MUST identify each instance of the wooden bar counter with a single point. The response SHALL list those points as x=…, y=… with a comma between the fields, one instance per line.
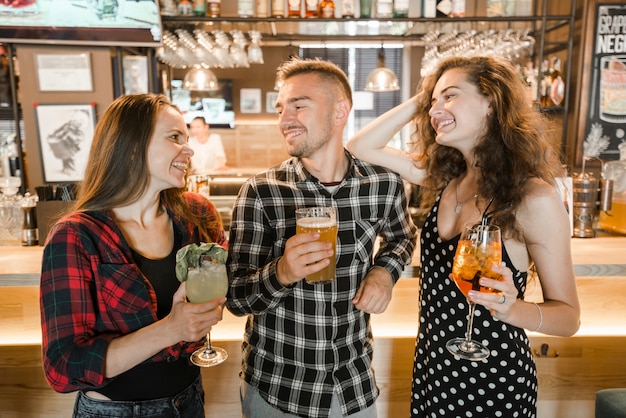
x=571, y=370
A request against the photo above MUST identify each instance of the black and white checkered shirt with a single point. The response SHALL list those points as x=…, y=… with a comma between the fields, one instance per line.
x=305, y=341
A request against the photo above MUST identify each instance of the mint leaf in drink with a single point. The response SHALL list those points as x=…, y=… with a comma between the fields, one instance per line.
x=189, y=256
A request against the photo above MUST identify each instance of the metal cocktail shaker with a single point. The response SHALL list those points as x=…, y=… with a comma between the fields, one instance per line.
x=585, y=198
x=589, y=196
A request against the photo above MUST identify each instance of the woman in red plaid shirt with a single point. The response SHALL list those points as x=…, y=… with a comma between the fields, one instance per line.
x=115, y=323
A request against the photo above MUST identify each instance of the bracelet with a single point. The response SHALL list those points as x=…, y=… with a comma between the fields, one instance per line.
x=540, y=317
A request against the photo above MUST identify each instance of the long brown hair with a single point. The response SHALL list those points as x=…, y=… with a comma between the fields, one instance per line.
x=117, y=173
x=513, y=149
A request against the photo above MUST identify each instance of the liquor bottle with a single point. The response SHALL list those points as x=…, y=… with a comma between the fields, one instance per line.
x=444, y=8
x=29, y=226
x=546, y=83
x=278, y=8
x=557, y=84
x=294, y=8
x=495, y=8
x=437, y=8
x=215, y=8
x=365, y=9
x=348, y=9
x=184, y=8
x=458, y=8
x=327, y=9
x=429, y=8
x=262, y=9
x=311, y=9
x=384, y=8
x=199, y=7
x=245, y=8
x=401, y=8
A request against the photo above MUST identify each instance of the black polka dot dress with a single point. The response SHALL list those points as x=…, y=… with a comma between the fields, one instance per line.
x=503, y=385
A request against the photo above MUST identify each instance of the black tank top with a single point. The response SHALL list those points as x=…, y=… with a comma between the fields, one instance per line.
x=150, y=380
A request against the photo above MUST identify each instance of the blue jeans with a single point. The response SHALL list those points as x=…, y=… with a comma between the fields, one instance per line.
x=187, y=404
x=254, y=406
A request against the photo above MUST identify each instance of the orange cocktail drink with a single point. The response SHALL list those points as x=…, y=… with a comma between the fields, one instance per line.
x=473, y=260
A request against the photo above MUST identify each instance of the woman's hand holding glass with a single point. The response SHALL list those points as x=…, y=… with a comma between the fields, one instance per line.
x=207, y=282
x=498, y=305
x=478, y=250
x=202, y=268
x=191, y=321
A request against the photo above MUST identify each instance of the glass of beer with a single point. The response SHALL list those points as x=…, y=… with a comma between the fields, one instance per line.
x=323, y=221
x=479, y=248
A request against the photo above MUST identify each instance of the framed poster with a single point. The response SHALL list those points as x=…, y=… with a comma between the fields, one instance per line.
x=250, y=101
x=65, y=132
x=270, y=101
x=135, y=74
x=602, y=121
x=64, y=72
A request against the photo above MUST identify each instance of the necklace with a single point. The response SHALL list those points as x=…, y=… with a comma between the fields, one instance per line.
x=457, y=208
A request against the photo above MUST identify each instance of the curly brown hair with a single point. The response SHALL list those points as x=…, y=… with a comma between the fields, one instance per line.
x=513, y=149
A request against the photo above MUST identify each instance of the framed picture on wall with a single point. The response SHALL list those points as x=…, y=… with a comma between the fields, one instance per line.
x=250, y=101
x=65, y=132
x=270, y=101
x=135, y=74
x=64, y=72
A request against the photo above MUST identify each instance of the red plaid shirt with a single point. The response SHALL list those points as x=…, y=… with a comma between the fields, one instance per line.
x=92, y=292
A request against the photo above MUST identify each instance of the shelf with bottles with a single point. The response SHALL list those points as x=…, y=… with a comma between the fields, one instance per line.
x=302, y=29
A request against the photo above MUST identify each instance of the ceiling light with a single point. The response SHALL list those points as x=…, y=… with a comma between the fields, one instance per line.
x=200, y=79
x=382, y=78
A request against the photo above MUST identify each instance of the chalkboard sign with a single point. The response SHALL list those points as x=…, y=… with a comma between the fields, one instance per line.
x=603, y=99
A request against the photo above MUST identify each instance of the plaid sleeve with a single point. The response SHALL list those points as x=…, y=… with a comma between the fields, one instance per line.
x=73, y=355
x=398, y=234
x=254, y=287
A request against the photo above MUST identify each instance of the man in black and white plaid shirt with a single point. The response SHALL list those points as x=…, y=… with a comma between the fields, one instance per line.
x=307, y=349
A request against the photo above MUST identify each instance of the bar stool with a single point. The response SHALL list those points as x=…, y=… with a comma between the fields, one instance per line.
x=611, y=403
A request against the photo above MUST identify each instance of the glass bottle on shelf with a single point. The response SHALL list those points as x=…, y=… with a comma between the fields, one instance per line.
x=311, y=8
x=245, y=8
x=546, y=84
x=278, y=8
x=495, y=8
x=384, y=8
x=199, y=7
x=429, y=8
x=615, y=219
x=185, y=8
x=215, y=8
x=530, y=78
x=262, y=9
x=30, y=234
x=365, y=8
x=294, y=8
x=557, y=84
x=166, y=7
x=437, y=8
x=348, y=9
x=458, y=8
x=326, y=9
x=400, y=8
x=11, y=213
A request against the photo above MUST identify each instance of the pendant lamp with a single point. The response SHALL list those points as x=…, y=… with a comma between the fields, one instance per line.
x=200, y=79
x=382, y=78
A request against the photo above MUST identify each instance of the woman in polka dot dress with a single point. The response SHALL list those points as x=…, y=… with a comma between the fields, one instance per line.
x=479, y=145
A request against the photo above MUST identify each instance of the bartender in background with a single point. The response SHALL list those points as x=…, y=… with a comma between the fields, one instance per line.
x=208, y=151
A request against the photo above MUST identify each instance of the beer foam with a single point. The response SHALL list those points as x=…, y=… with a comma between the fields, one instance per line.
x=316, y=222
